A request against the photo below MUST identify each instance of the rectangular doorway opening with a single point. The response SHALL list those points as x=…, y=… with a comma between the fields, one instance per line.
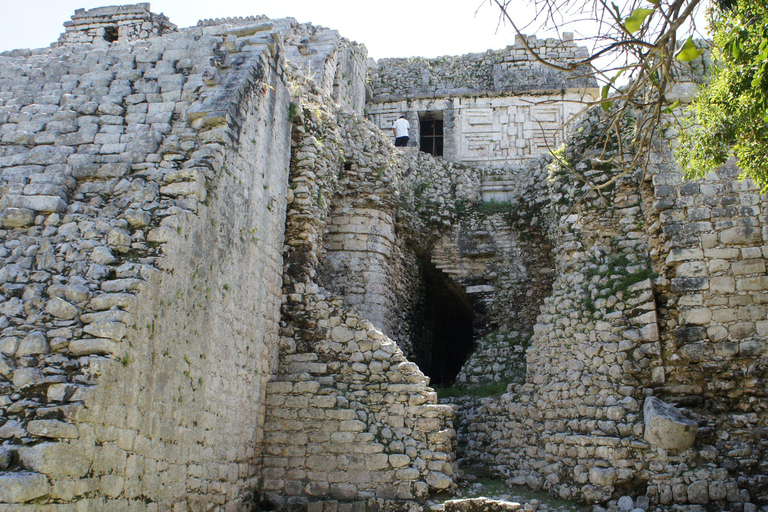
x=431, y=133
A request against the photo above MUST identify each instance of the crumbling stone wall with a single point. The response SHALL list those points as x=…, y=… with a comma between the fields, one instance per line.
x=143, y=198
x=708, y=245
x=500, y=108
x=622, y=325
x=188, y=318
x=104, y=25
x=349, y=418
x=512, y=70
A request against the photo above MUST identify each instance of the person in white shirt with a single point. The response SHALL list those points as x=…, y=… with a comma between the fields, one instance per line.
x=401, y=131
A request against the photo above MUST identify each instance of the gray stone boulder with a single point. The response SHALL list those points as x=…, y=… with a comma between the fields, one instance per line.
x=666, y=426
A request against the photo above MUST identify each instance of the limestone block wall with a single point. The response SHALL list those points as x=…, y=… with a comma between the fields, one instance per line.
x=353, y=419
x=142, y=207
x=349, y=418
x=489, y=130
x=360, y=249
x=370, y=255
x=336, y=66
x=506, y=273
x=499, y=108
x=657, y=293
x=709, y=247
x=511, y=70
x=103, y=25
x=574, y=427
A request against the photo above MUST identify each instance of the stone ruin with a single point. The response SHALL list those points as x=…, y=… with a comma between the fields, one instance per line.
x=222, y=287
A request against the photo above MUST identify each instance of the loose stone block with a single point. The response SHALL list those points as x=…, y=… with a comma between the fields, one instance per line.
x=665, y=426
x=741, y=236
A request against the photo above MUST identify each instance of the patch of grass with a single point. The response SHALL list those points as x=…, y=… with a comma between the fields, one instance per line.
x=293, y=109
x=495, y=488
x=486, y=390
x=491, y=207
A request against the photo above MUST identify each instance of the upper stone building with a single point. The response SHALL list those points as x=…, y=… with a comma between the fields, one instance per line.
x=222, y=287
x=109, y=24
x=498, y=108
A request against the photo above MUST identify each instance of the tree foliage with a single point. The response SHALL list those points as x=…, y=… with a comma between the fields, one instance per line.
x=730, y=114
x=639, y=51
x=642, y=48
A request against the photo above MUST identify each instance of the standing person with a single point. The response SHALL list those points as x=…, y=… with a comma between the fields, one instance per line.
x=401, y=131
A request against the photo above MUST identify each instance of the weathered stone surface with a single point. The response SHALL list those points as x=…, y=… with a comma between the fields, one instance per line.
x=62, y=309
x=23, y=487
x=33, y=344
x=6, y=458
x=149, y=199
x=112, y=330
x=6, y=367
x=90, y=346
x=16, y=217
x=480, y=505
x=56, y=460
x=665, y=426
x=53, y=428
x=602, y=476
x=25, y=377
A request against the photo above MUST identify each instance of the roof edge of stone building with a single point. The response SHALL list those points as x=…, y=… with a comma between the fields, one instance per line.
x=115, y=22
x=511, y=70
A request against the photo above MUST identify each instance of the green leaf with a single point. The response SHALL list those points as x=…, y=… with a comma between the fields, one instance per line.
x=636, y=19
x=606, y=104
x=604, y=91
x=672, y=107
x=654, y=2
x=689, y=51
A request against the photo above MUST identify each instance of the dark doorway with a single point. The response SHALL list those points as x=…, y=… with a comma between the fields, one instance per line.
x=443, y=330
x=110, y=34
x=431, y=133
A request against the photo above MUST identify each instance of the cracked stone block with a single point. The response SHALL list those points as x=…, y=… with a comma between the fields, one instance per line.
x=666, y=426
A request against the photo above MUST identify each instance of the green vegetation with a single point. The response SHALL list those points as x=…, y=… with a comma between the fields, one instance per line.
x=490, y=486
x=620, y=272
x=492, y=207
x=457, y=390
x=732, y=110
x=293, y=109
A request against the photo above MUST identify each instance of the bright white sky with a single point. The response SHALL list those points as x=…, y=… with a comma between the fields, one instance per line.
x=403, y=28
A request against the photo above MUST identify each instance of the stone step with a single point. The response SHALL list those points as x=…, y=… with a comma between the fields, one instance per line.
x=305, y=357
